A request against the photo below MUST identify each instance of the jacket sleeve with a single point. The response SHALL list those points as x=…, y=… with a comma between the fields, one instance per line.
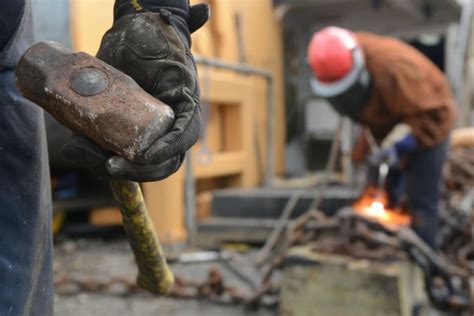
x=11, y=12
x=419, y=95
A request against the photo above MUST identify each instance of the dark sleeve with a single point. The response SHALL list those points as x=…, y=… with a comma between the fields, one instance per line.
x=10, y=16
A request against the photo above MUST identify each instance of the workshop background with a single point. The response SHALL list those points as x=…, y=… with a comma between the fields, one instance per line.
x=266, y=150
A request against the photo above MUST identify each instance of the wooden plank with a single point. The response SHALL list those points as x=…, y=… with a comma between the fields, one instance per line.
x=90, y=19
x=165, y=201
x=204, y=201
x=220, y=164
x=254, y=173
x=224, y=86
x=232, y=124
x=462, y=137
x=262, y=40
x=105, y=216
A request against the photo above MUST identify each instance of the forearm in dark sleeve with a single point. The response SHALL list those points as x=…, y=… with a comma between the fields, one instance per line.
x=10, y=17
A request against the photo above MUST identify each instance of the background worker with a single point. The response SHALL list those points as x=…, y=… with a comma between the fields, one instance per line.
x=402, y=98
x=156, y=42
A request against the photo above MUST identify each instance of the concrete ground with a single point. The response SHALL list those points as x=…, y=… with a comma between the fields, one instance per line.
x=104, y=260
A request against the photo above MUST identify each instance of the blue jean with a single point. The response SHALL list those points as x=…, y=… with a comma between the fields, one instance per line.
x=422, y=185
x=26, y=249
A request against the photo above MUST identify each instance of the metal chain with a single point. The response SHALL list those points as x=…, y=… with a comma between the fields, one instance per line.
x=448, y=286
x=213, y=289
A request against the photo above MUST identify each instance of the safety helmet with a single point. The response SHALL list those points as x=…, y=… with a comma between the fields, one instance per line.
x=338, y=66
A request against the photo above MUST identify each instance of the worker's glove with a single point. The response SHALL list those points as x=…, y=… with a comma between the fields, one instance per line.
x=150, y=41
x=385, y=155
x=394, y=155
x=84, y=152
x=406, y=145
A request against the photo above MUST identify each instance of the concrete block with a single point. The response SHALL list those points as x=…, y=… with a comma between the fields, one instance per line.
x=316, y=284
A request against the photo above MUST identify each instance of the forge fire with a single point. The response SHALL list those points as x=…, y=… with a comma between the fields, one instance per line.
x=373, y=204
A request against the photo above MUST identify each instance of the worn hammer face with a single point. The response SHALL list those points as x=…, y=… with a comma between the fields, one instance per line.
x=93, y=99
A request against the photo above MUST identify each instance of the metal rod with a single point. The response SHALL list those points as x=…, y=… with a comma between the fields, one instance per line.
x=346, y=148
x=264, y=255
x=268, y=76
x=330, y=166
x=458, y=58
x=190, y=200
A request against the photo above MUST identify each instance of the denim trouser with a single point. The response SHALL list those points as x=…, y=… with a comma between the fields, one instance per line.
x=421, y=185
x=26, y=277
x=423, y=182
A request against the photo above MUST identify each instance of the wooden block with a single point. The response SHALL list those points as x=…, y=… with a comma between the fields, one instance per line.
x=204, y=201
x=105, y=216
x=262, y=42
x=165, y=202
x=321, y=284
x=90, y=19
x=462, y=137
x=219, y=164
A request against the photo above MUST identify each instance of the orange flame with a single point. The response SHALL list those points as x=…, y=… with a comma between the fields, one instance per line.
x=372, y=205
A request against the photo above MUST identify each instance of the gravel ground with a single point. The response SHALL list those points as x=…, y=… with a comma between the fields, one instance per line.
x=103, y=260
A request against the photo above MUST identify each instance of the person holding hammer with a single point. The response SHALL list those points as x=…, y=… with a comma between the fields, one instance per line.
x=150, y=41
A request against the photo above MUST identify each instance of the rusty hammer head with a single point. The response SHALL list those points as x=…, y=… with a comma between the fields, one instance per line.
x=93, y=99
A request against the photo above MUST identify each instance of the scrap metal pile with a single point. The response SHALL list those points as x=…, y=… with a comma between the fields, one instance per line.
x=378, y=234
x=448, y=283
x=369, y=231
x=458, y=197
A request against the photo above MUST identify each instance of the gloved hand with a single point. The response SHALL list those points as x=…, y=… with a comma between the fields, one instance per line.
x=394, y=155
x=385, y=155
x=150, y=41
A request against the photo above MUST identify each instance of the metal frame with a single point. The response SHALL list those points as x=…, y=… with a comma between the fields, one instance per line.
x=190, y=182
x=268, y=76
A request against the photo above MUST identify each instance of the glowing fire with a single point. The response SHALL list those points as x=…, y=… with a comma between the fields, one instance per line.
x=372, y=205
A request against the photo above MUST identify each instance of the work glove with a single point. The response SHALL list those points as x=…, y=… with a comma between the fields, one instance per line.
x=385, y=155
x=393, y=181
x=394, y=155
x=150, y=41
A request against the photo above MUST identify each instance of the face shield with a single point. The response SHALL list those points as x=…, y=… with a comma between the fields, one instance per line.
x=349, y=94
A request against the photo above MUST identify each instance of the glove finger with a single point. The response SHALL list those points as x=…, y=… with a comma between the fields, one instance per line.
x=183, y=135
x=122, y=169
x=198, y=16
x=174, y=85
x=375, y=159
x=84, y=152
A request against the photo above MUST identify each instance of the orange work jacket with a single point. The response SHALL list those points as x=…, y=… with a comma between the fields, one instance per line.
x=406, y=88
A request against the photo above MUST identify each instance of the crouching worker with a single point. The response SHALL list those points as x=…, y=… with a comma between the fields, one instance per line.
x=386, y=85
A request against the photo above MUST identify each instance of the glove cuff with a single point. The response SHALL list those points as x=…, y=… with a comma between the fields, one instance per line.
x=176, y=12
x=406, y=145
x=176, y=7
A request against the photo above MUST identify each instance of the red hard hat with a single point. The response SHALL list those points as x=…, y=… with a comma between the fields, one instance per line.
x=330, y=53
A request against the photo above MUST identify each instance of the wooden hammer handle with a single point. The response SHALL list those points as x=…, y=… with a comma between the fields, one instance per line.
x=154, y=275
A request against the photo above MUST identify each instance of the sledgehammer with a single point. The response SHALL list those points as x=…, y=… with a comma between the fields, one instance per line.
x=96, y=100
